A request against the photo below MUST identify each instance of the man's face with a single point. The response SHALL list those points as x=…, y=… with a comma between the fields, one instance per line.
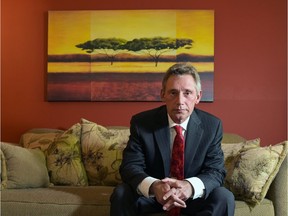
x=180, y=97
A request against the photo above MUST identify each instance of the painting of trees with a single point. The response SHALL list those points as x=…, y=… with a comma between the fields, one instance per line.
x=109, y=47
x=153, y=47
x=122, y=55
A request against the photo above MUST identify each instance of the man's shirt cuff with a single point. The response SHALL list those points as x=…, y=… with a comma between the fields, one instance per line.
x=198, y=186
x=144, y=186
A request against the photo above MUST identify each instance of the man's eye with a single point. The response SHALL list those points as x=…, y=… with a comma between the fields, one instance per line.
x=173, y=93
x=188, y=93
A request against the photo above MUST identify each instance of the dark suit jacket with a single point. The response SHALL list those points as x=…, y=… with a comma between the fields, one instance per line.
x=148, y=150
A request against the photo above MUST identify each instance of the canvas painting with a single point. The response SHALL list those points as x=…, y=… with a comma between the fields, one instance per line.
x=122, y=55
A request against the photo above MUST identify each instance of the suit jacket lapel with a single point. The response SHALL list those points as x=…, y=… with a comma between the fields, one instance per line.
x=193, y=139
x=162, y=136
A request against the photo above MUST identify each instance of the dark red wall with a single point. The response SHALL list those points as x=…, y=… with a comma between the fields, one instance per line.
x=250, y=67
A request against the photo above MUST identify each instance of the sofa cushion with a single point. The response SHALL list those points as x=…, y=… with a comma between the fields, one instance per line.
x=26, y=168
x=39, y=138
x=254, y=170
x=266, y=208
x=92, y=200
x=64, y=161
x=278, y=190
x=232, y=138
x=102, y=152
x=57, y=200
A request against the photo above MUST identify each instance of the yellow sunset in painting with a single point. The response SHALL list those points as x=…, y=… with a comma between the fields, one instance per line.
x=67, y=28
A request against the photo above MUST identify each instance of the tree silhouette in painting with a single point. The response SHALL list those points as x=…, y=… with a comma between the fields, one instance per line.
x=153, y=47
x=157, y=46
x=109, y=47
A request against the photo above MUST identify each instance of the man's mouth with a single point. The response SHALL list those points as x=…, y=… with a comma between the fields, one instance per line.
x=179, y=110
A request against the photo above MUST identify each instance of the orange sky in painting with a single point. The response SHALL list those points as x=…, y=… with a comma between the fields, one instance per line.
x=68, y=28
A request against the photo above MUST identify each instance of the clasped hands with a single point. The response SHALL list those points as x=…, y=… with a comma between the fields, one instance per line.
x=171, y=192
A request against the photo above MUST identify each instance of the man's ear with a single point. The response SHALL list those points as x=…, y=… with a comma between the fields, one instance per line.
x=162, y=95
x=199, y=96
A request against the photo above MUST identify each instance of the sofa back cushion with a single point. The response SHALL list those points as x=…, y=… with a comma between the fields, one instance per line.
x=39, y=138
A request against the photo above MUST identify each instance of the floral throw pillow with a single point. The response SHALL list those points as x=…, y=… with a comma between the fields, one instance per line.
x=254, y=170
x=39, y=138
x=64, y=162
x=102, y=152
x=230, y=150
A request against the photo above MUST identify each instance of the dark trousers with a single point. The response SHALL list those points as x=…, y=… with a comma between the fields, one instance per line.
x=125, y=202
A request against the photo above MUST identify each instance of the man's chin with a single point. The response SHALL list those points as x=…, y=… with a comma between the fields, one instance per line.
x=179, y=118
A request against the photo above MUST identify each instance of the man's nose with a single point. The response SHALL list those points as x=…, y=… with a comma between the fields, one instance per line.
x=180, y=98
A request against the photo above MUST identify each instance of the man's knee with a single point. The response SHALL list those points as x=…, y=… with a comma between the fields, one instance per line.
x=122, y=200
x=222, y=194
x=225, y=200
x=120, y=193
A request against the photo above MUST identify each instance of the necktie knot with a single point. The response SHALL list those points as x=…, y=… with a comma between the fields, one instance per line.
x=178, y=129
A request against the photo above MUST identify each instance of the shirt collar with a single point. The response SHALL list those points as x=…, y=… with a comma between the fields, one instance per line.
x=183, y=124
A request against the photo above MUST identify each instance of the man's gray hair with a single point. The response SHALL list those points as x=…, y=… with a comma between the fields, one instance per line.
x=181, y=69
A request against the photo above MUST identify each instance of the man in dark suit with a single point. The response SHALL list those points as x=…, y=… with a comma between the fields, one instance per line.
x=147, y=185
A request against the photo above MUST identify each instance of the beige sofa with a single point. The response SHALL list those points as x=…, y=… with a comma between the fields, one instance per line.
x=93, y=200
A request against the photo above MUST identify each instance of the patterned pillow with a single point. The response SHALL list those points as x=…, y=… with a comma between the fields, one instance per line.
x=64, y=159
x=230, y=150
x=102, y=152
x=39, y=138
x=254, y=170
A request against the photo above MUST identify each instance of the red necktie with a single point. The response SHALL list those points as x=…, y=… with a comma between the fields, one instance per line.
x=177, y=162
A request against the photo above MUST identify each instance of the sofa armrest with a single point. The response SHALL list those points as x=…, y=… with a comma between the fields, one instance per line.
x=278, y=191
